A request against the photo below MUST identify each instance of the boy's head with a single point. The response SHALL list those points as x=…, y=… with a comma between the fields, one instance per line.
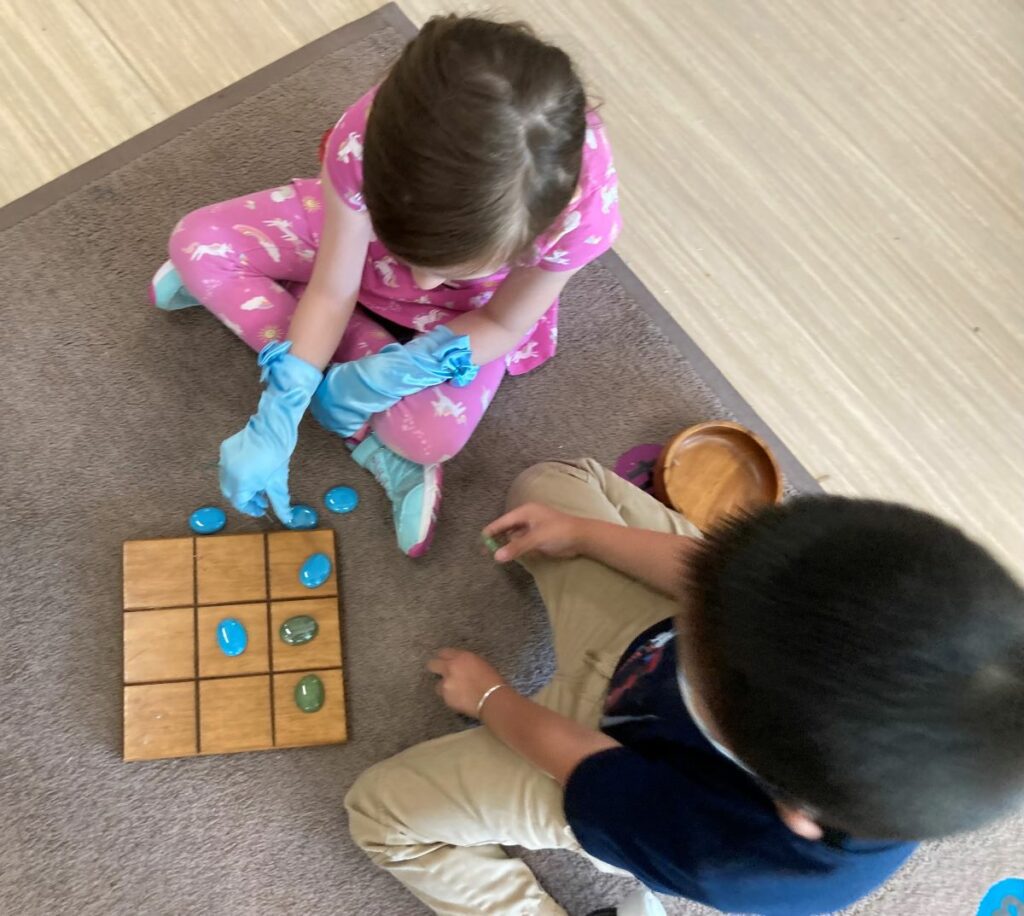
x=866, y=661
x=473, y=144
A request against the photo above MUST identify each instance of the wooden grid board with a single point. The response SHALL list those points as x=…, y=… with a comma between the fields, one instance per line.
x=182, y=695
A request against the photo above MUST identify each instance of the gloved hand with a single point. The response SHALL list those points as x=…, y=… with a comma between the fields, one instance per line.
x=353, y=392
x=254, y=461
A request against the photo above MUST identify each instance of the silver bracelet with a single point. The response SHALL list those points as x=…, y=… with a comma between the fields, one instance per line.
x=486, y=697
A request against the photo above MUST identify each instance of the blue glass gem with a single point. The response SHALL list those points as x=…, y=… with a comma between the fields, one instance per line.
x=207, y=520
x=303, y=517
x=341, y=499
x=231, y=636
x=314, y=571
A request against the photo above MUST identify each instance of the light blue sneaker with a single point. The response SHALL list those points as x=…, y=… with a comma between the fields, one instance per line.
x=414, y=491
x=167, y=292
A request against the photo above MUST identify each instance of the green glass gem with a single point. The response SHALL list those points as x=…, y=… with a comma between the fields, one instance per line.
x=309, y=693
x=299, y=629
x=492, y=543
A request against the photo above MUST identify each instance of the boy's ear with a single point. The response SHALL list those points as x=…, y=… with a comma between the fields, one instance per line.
x=801, y=823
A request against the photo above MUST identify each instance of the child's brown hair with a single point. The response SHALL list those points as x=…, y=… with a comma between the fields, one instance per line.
x=473, y=144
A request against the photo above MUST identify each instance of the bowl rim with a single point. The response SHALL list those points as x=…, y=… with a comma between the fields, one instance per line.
x=725, y=425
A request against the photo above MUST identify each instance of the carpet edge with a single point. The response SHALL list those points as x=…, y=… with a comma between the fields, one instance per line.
x=388, y=16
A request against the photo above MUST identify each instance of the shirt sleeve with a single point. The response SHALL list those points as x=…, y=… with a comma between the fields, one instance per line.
x=701, y=832
x=670, y=828
x=617, y=803
x=343, y=153
x=591, y=223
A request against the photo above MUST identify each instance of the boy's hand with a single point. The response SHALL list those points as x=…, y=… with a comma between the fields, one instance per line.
x=465, y=678
x=536, y=527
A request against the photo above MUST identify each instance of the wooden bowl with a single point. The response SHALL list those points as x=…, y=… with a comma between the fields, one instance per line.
x=716, y=469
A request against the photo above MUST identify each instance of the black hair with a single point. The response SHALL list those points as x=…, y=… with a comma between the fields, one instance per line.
x=865, y=658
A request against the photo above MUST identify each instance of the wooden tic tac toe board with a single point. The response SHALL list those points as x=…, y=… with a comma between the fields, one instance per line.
x=182, y=695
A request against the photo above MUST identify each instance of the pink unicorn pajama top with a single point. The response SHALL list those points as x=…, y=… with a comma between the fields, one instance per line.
x=585, y=229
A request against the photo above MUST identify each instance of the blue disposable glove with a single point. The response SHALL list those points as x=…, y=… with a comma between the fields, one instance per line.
x=254, y=461
x=353, y=392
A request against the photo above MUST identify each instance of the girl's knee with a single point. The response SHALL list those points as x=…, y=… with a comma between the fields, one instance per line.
x=417, y=439
x=422, y=452
x=198, y=244
x=192, y=227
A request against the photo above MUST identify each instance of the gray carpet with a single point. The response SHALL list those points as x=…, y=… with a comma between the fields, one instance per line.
x=112, y=414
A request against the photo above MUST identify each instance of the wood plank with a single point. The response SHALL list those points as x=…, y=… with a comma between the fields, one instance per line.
x=191, y=48
x=296, y=728
x=323, y=651
x=256, y=657
x=234, y=714
x=68, y=93
x=159, y=645
x=230, y=569
x=288, y=550
x=157, y=573
x=159, y=721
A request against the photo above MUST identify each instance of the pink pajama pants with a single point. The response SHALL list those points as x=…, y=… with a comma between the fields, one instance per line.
x=248, y=260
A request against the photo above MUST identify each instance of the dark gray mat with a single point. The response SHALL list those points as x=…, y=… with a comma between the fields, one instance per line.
x=112, y=414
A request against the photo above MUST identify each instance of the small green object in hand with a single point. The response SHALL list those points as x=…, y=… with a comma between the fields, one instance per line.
x=491, y=543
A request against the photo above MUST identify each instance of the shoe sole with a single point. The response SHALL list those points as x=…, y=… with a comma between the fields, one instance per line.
x=158, y=278
x=165, y=299
x=432, y=481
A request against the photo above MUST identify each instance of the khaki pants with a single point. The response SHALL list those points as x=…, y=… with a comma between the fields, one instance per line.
x=437, y=815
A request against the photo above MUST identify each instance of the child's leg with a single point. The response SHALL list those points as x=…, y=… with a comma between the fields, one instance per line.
x=232, y=255
x=363, y=335
x=434, y=424
x=434, y=815
x=595, y=611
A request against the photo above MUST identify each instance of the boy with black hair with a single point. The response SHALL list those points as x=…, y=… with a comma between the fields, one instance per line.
x=764, y=720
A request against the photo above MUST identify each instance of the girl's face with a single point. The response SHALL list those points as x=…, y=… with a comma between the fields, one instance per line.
x=432, y=277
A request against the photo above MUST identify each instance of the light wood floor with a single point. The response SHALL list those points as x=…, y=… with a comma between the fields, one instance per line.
x=826, y=193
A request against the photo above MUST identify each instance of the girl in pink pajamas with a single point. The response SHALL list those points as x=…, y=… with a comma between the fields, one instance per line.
x=455, y=200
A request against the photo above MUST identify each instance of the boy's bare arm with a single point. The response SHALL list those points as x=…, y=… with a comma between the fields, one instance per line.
x=653, y=557
x=551, y=742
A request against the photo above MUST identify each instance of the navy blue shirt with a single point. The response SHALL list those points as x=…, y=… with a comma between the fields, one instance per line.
x=686, y=820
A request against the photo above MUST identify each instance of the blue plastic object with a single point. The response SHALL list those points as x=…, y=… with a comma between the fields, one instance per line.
x=207, y=520
x=352, y=392
x=341, y=499
x=254, y=461
x=314, y=571
x=1003, y=897
x=231, y=636
x=303, y=517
